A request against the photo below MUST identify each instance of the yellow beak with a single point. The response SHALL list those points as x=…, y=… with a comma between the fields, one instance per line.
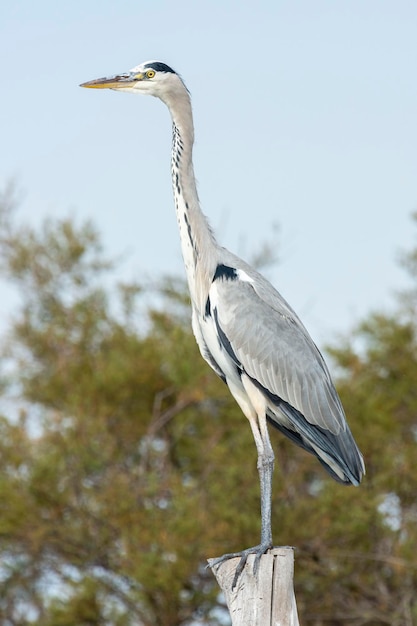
x=113, y=82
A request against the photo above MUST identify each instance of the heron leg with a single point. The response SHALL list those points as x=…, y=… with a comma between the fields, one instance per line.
x=265, y=469
x=255, y=411
x=258, y=424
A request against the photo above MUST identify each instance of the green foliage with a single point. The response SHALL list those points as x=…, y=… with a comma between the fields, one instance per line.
x=129, y=463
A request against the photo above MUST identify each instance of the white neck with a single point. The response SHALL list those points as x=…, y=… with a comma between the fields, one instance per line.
x=199, y=248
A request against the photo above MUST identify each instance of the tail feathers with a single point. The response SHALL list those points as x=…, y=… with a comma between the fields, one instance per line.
x=338, y=454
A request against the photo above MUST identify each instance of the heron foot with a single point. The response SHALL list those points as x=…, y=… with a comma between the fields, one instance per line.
x=257, y=550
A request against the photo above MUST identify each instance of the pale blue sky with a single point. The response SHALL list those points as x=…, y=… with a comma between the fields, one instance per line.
x=305, y=115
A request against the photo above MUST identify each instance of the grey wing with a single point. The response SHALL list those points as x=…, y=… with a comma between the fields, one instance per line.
x=275, y=350
x=256, y=332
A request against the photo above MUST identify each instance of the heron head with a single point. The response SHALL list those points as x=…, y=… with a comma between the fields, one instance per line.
x=152, y=77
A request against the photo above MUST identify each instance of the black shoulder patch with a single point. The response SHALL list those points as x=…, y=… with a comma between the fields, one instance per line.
x=224, y=271
x=160, y=67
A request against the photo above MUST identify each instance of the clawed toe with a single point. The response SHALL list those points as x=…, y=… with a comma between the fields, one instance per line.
x=258, y=551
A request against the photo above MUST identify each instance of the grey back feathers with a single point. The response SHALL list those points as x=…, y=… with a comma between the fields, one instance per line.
x=271, y=345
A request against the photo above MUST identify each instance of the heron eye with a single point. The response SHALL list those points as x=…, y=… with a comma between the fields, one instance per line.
x=150, y=73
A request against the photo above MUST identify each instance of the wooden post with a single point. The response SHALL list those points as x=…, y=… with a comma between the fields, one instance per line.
x=266, y=599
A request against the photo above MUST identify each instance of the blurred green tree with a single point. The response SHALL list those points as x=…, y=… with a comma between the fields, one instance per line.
x=125, y=463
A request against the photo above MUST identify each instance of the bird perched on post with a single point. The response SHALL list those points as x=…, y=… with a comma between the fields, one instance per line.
x=244, y=328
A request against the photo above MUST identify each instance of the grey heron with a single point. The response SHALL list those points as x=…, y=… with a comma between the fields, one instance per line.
x=244, y=328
